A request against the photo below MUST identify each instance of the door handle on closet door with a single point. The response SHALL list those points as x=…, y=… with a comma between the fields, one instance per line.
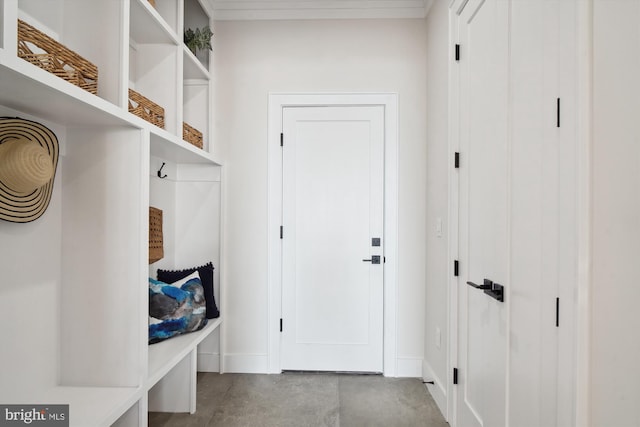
x=496, y=292
x=375, y=259
x=487, y=284
x=490, y=288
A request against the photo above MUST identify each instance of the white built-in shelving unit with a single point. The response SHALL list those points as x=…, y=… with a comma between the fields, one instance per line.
x=73, y=284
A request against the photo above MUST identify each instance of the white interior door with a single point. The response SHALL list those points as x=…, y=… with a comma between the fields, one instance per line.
x=483, y=233
x=541, y=218
x=333, y=181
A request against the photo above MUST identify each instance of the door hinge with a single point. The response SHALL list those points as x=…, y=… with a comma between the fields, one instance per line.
x=281, y=231
x=557, y=312
x=456, y=266
x=281, y=324
x=557, y=112
x=457, y=52
x=456, y=160
x=455, y=375
x=281, y=139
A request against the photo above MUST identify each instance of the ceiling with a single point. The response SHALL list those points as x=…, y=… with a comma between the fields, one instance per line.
x=318, y=9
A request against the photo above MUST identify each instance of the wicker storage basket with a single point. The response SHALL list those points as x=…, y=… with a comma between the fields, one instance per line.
x=191, y=135
x=55, y=58
x=146, y=109
x=156, y=244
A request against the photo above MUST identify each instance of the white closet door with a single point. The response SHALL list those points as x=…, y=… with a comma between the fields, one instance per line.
x=483, y=205
x=513, y=218
x=538, y=212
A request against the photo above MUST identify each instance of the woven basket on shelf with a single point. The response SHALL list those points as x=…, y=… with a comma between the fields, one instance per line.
x=146, y=109
x=156, y=246
x=41, y=50
x=191, y=135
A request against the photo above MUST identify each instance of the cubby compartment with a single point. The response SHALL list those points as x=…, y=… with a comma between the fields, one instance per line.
x=162, y=195
x=196, y=87
x=153, y=74
x=76, y=24
x=172, y=393
x=153, y=62
x=190, y=197
x=154, y=24
x=134, y=417
x=193, y=68
x=70, y=298
x=196, y=16
x=189, y=194
x=103, y=248
x=30, y=262
x=196, y=102
x=173, y=367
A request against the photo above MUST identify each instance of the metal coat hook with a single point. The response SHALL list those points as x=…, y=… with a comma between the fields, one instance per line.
x=160, y=172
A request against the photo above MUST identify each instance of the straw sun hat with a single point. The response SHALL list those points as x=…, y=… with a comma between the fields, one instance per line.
x=28, y=160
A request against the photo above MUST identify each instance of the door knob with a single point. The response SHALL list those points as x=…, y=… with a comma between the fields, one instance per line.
x=375, y=259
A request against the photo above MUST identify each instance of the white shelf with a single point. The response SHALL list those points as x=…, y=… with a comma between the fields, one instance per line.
x=170, y=147
x=193, y=68
x=90, y=406
x=148, y=26
x=164, y=355
x=25, y=87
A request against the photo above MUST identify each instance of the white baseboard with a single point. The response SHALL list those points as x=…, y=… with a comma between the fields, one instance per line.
x=246, y=363
x=208, y=362
x=409, y=367
x=437, y=390
x=258, y=364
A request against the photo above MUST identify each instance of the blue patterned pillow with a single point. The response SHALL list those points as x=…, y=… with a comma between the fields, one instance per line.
x=176, y=308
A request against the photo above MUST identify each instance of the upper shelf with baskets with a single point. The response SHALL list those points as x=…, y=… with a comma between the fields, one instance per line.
x=153, y=55
x=147, y=70
x=54, y=37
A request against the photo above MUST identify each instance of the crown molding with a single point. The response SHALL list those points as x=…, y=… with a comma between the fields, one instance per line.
x=318, y=9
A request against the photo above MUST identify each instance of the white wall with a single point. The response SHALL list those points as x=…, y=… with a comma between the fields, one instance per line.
x=615, y=292
x=254, y=58
x=437, y=168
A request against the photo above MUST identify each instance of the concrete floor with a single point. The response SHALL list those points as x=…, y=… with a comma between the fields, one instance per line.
x=307, y=400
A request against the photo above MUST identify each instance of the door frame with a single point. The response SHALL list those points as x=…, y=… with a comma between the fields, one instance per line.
x=455, y=8
x=277, y=102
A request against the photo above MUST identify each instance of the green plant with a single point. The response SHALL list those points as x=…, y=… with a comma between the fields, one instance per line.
x=198, y=39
